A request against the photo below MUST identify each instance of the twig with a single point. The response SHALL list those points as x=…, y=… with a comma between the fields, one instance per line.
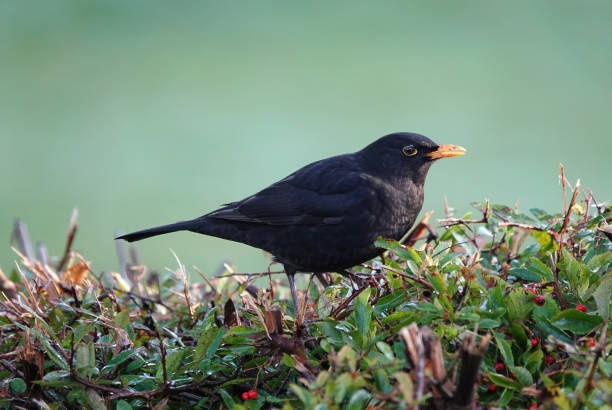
x=588, y=386
x=120, y=246
x=598, y=206
x=418, y=231
x=556, y=286
x=181, y=270
x=446, y=209
x=249, y=274
x=420, y=365
x=562, y=176
x=42, y=254
x=471, y=356
x=346, y=302
x=134, y=256
x=529, y=227
x=458, y=221
x=72, y=228
x=212, y=288
x=142, y=297
x=408, y=276
x=21, y=233
x=162, y=349
x=568, y=213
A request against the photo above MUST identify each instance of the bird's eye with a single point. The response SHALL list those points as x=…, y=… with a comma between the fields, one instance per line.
x=409, y=150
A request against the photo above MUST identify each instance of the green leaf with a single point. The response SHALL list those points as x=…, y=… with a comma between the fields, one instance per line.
x=81, y=330
x=403, y=252
x=518, y=304
x=329, y=329
x=524, y=274
x=576, y=321
x=382, y=381
x=570, y=268
x=173, y=361
x=405, y=385
x=48, y=328
x=505, y=398
x=56, y=375
x=204, y=342
x=53, y=354
x=549, y=329
x=95, y=400
x=302, y=394
x=386, y=350
x=243, y=380
x=534, y=360
x=503, y=381
x=118, y=359
x=123, y=405
x=546, y=242
x=122, y=319
x=85, y=359
x=600, y=261
x=602, y=296
x=363, y=315
x=288, y=361
x=212, y=349
x=389, y=302
x=82, y=356
x=227, y=399
x=437, y=282
x=358, y=400
x=489, y=323
x=504, y=349
x=541, y=269
x=522, y=375
x=18, y=385
x=519, y=335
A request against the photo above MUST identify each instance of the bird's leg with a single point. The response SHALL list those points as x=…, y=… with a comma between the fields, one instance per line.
x=290, y=271
x=322, y=279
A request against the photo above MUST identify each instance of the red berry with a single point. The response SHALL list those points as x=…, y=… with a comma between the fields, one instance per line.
x=530, y=290
x=533, y=407
x=499, y=367
x=492, y=386
x=534, y=342
x=591, y=342
x=549, y=360
x=245, y=396
x=252, y=394
x=581, y=308
x=540, y=300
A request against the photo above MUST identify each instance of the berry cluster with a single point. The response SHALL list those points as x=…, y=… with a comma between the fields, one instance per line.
x=251, y=394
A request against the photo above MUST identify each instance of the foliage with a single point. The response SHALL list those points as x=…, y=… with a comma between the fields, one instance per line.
x=77, y=338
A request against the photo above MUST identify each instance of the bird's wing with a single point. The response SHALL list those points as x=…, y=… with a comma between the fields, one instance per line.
x=322, y=193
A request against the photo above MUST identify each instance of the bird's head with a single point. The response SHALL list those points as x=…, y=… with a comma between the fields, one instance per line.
x=405, y=155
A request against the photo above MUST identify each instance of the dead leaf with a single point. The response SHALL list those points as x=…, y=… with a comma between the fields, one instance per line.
x=77, y=273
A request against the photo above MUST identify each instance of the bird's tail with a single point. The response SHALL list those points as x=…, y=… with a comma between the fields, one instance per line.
x=159, y=230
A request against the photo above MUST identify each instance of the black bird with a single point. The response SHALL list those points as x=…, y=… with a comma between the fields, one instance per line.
x=326, y=216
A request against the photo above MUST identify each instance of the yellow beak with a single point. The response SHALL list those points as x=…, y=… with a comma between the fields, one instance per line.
x=446, y=151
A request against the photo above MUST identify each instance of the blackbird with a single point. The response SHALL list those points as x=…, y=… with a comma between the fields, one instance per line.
x=326, y=216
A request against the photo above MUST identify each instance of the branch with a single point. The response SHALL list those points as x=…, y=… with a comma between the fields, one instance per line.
x=471, y=356
x=408, y=276
x=72, y=228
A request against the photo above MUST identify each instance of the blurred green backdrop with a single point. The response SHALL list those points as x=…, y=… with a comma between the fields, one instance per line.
x=142, y=113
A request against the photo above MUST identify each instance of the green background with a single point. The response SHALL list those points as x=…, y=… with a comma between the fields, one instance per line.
x=142, y=113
